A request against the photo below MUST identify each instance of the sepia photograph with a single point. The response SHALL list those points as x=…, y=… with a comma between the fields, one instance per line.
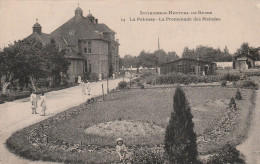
x=130, y=82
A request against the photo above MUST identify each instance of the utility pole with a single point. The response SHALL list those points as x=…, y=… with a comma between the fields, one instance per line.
x=107, y=84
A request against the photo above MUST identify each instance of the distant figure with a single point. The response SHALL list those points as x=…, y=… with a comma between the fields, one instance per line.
x=121, y=149
x=43, y=104
x=79, y=79
x=114, y=76
x=100, y=77
x=33, y=98
x=83, y=89
x=88, y=87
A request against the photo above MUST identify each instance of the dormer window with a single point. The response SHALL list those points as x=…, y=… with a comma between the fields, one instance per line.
x=72, y=32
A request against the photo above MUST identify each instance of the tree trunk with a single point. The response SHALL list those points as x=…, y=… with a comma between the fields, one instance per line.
x=6, y=84
x=0, y=82
x=50, y=81
x=31, y=79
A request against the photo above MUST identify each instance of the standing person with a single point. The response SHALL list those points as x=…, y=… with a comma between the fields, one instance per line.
x=43, y=104
x=83, y=89
x=121, y=149
x=114, y=76
x=79, y=79
x=33, y=98
x=88, y=87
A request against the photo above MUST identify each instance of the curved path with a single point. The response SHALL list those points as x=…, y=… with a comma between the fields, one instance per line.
x=251, y=147
x=17, y=114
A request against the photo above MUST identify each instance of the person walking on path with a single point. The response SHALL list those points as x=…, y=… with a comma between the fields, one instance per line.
x=88, y=87
x=121, y=149
x=33, y=98
x=43, y=104
x=83, y=89
x=79, y=79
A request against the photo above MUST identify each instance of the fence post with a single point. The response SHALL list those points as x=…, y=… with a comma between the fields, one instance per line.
x=103, y=92
x=107, y=85
x=80, y=145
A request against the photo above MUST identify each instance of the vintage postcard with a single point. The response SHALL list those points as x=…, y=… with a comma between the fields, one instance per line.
x=130, y=81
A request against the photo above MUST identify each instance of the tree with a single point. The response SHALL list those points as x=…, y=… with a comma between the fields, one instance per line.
x=27, y=59
x=54, y=61
x=207, y=53
x=172, y=55
x=21, y=59
x=180, y=138
x=238, y=95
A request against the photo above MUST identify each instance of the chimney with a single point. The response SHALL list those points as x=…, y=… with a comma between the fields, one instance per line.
x=96, y=21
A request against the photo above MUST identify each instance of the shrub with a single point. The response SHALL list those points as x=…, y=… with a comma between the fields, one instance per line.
x=231, y=77
x=147, y=156
x=223, y=83
x=232, y=103
x=122, y=85
x=238, y=95
x=249, y=84
x=227, y=154
x=180, y=138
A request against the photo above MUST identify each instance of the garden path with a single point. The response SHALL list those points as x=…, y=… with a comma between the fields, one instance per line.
x=17, y=114
x=251, y=147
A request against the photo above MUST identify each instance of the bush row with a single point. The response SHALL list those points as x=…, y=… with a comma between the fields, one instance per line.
x=187, y=79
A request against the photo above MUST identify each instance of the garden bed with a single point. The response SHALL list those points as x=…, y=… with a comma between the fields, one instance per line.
x=72, y=136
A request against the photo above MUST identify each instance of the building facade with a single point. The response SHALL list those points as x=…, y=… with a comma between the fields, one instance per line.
x=188, y=66
x=244, y=61
x=90, y=46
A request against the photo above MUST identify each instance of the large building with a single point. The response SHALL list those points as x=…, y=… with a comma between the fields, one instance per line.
x=90, y=46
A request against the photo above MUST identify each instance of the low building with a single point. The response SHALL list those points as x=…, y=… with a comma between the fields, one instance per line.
x=244, y=61
x=188, y=66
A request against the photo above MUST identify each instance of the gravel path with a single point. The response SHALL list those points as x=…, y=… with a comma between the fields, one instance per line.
x=251, y=147
x=17, y=114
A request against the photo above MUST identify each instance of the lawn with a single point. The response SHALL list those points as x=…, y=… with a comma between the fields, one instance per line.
x=87, y=134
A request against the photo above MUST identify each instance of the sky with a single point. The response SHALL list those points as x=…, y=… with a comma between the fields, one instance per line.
x=239, y=22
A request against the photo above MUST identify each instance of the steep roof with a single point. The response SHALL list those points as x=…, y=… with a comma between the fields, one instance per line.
x=103, y=28
x=78, y=27
x=43, y=38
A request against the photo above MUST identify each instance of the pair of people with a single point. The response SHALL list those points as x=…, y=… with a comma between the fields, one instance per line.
x=86, y=86
x=34, y=102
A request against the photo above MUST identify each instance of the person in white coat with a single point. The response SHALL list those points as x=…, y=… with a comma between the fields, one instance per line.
x=33, y=99
x=83, y=87
x=79, y=79
x=88, y=87
x=43, y=104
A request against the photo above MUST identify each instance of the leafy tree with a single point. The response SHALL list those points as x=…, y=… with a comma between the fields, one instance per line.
x=129, y=61
x=172, y=56
x=207, y=53
x=180, y=138
x=28, y=59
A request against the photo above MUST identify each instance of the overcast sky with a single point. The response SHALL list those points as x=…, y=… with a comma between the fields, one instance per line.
x=240, y=22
